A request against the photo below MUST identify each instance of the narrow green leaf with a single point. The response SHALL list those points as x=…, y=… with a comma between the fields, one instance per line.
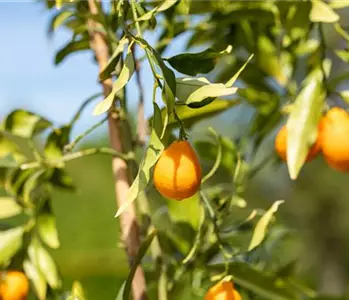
x=125, y=75
x=30, y=185
x=337, y=4
x=162, y=7
x=302, y=125
x=59, y=19
x=210, y=91
x=152, y=154
x=44, y=262
x=190, y=116
x=56, y=141
x=60, y=178
x=46, y=223
x=37, y=278
x=262, y=225
x=345, y=95
x=141, y=252
x=343, y=55
x=70, y=48
x=237, y=74
x=113, y=61
x=9, y=207
x=341, y=31
x=218, y=157
x=186, y=86
x=322, y=12
x=77, y=292
x=195, y=63
x=10, y=243
x=25, y=124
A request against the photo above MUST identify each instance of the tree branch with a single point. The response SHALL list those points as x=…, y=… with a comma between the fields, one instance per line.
x=129, y=226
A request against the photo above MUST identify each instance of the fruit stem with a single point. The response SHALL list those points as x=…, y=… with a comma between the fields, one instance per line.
x=182, y=133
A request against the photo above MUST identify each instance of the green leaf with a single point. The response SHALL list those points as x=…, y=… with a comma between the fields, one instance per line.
x=8, y=161
x=46, y=223
x=25, y=124
x=190, y=116
x=322, y=12
x=59, y=19
x=343, y=55
x=125, y=75
x=113, y=60
x=37, y=278
x=195, y=63
x=44, y=262
x=345, y=95
x=137, y=260
x=184, y=6
x=261, y=284
x=31, y=185
x=56, y=141
x=71, y=47
x=10, y=243
x=9, y=207
x=218, y=157
x=210, y=91
x=232, y=80
x=162, y=7
x=152, y=154
x=60, y=178
x=262, y=225
x=337, y=4
x=77, y=292
x=302, y=125
x=186, y=86
x=209, y=151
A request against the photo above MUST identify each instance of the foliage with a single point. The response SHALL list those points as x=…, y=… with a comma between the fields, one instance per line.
x=253, y=50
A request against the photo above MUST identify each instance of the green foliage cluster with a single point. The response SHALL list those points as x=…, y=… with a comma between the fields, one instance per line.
x=254, y=52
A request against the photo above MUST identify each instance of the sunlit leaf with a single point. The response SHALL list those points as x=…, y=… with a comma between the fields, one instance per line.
x=59, y=19
x=195, y=63
x=30, y=186
x=232, y=80
x=343, y=55
x=56, y=141
x=262, y=225
x=77, y=292
x=210, y=91
x=345, y=95
x=186, y=86
x=162, y=7
x=70, y=48
x=113, y=60
x=152, y=154
x=10, y=243
x=322, y=12
x=302, y=125
x=9, y=207
x=37, y=278
x=24, y=123
x=339, y=3
x=124, y=76
x=60, y=178
x=46, y=223
x=44, y=262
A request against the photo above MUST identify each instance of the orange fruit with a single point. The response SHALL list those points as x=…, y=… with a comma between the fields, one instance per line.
x=14, y=285
x=335, y=139
x=223, y=290
x=281, y=144
x=177, y=173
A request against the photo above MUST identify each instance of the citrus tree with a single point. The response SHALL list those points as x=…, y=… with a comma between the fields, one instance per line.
x=271, y=58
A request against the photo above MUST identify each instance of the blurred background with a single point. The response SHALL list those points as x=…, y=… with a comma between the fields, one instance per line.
x=317, y=204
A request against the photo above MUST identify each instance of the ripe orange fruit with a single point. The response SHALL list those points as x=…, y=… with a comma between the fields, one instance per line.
x=223, y=290
x=14, y=285
x=281, y=145
x=335, y=139
x=177, y=173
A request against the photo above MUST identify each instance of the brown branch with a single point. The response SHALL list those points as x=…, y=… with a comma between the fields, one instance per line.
x=128, y=221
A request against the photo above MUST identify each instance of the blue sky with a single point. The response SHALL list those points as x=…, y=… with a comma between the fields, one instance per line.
x=30, y=80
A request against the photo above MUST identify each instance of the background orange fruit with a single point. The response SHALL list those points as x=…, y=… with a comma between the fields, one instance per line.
x=14, y=285
x=223, y=290
x=237, y=296
x=335, y=139
x=281, y=145
x=177, y=173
